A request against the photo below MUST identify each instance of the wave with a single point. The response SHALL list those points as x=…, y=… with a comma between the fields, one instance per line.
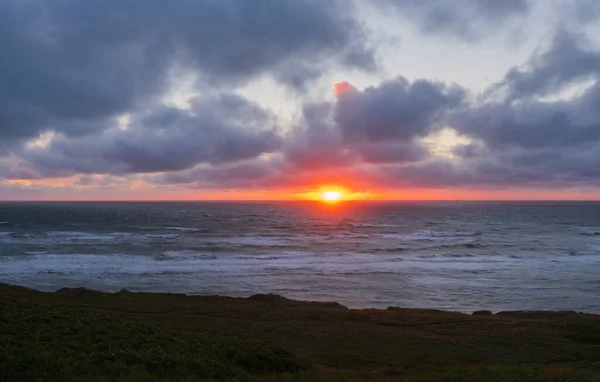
x=262, y=257
x=184, y=229
x=76, y=237
x=161, y=236
x=464, y=245
x=185, y=255
x=258, y=241
x=85, y=265
x=429, y=235
x=584, y=253
x=457, y=255
x=392, y=250
x=4, y=223
x=368, y=225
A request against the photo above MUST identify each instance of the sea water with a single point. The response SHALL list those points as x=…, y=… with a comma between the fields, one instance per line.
x=460, y=256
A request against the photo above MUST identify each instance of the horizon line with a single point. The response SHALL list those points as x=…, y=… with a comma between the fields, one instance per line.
x=285, y=200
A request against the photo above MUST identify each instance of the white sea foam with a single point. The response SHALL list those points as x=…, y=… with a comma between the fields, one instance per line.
x=372, y=225
x=183, y=229
x=162, y=236
x=186, y=255
x=429, y=235
x=64, y=237
x=254, y=240
x=300, y=274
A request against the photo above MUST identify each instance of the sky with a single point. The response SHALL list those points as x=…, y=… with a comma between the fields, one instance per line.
x=283, y=99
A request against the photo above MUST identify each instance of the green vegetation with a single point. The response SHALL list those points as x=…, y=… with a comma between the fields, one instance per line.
x=57, y=342
x=78, y=334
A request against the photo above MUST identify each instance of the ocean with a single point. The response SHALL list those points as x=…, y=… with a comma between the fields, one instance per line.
x=461, y=256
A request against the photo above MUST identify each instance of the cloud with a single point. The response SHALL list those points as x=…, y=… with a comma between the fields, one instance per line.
x=396, y=110
x=567, y=60
x=524, y=137
x=71, y=66
x=102, y=61
x=524, y=119
x=340, y=140
x=466, y=19
x=316, y=142
x=15, y=168
x=380, y=124
x=586, y=11
x=254, y=173
x=215, y=130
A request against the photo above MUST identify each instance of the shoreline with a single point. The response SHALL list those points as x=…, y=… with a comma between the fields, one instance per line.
x=275, y=297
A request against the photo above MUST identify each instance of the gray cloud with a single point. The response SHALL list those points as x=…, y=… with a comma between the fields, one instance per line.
x=467, y=19
x=566, y=61
x=14, y=168
x=104, y=180
x=316, y=142
x=586, y=11
x=215, y=130
x=377, y=125
x=70, y=66
x=255, y=173
x=524, y=120
x=103, y=59
x=395, y=110
x=527, y=140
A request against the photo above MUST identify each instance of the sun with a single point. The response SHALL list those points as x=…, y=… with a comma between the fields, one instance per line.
x=331, y=196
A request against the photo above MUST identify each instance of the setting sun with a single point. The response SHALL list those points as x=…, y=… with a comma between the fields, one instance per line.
x=331, y=196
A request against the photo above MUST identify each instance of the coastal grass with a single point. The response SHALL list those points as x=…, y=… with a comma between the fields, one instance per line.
x=79, y=334
x=50, y=341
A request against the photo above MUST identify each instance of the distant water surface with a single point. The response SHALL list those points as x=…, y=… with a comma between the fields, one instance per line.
x=451, y=255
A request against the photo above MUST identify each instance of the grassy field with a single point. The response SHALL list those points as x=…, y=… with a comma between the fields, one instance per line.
x=78, y=334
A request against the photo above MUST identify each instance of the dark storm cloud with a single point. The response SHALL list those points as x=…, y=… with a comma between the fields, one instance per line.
x=380, y=124
x=587, y=11
x=394, y=152
x=522, y=139
x=104, y=180
x=534, y=124
x=13, y=168
x=524, y=120
x=566, y=61
x=544, y=168
x=217, y=130
x=255, y=173
x=396, y=110
x=466, y=19
x=519, y=140
x=70, y=65
x=316, y=142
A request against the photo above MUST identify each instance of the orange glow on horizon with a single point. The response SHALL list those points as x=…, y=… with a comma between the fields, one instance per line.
x=67, y=189
x=333, y=193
